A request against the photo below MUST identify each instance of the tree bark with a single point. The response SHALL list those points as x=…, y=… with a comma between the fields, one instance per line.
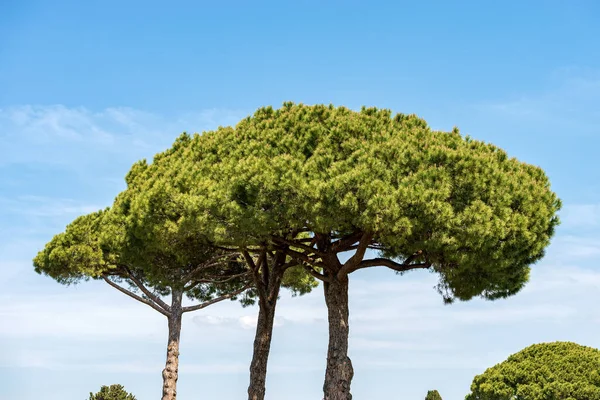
x=170, y=373
x=271, y=283
x=339, y=372
x=262, y=346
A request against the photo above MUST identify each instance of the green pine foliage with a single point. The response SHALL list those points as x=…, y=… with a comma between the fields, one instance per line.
x=112, y=392
x=481, y=217
x=109, y=244
x=546, y=371
x=433, y=395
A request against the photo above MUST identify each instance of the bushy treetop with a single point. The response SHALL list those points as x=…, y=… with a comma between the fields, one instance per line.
x=477, y=216
x=102, y=245
x=546, y=371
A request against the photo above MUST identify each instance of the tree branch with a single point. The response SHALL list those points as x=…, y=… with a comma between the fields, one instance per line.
x=303, y=257
x=316, y=274
x=264, y=268
x=260, y=287
x=358, y=256
x=344, y=243
x=249, y=260
x=213, y=262
x=215, y=300
x=164, y=312
x=304, y=240
x=298, y=244
x=386, y=262
x=216, y=281
x=372, y=247
x=148, y=293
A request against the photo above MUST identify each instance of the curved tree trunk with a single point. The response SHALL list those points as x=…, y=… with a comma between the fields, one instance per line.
x=262, y=346
x=339, y=372
x=170, y=373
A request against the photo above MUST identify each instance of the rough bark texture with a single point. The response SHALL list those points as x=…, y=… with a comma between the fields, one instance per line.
x=262, y=346
x=170, y=373
x=270, y=281
x=339, y=372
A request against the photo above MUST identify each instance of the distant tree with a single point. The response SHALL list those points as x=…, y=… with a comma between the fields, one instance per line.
x=327, y=186
x=112, y=392
x=546, y=371
x=433, y=395
x=111, y=246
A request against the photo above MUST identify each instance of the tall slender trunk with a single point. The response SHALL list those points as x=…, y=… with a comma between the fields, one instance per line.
x=262, y=346
x=170, y=373
x=270, y=283
x=339, y=372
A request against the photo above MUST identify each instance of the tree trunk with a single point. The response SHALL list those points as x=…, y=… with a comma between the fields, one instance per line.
x=170, y=373
x=262, y=346
x=339, y=372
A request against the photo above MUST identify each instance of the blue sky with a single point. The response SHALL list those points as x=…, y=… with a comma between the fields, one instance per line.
x=88, y=88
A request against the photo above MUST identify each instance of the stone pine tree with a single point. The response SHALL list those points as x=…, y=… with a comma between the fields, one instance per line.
x=559, y=370
x=154, y=202
x=316, y=182
x=102, y=246
x=433, y=395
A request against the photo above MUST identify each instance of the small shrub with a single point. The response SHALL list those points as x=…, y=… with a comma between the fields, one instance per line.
x=112, y=392
x=433, y=395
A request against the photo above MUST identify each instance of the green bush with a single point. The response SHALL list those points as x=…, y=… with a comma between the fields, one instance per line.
x=112, y=392
x=546, y=371
x=433, y=395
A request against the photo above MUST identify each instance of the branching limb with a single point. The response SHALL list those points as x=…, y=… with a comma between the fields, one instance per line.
x=372, y=247
x=304, y=240
x=215, y=281
x=260, y=287
x=304, y=258
x=345, y=243
x=359, y=254
x=292, y=263
x=264, y=268
x=213, y=262
x=309, y=249
x=400, y=267
x=150, y=303
x=316, y=274
x=147, y=292
x=215, y=300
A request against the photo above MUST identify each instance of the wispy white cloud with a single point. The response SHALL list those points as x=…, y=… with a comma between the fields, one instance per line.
x=437, y=361
x=39, y=206
x=503, y=315
x=52, y=361
x=85, y=154
x=245, y=321
x=575, y=247
x=90, y=314
x=93, y=311
x=569, y=102
x=580, y=216
x=365, y=343
x=75, y=136
x=48, y=363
